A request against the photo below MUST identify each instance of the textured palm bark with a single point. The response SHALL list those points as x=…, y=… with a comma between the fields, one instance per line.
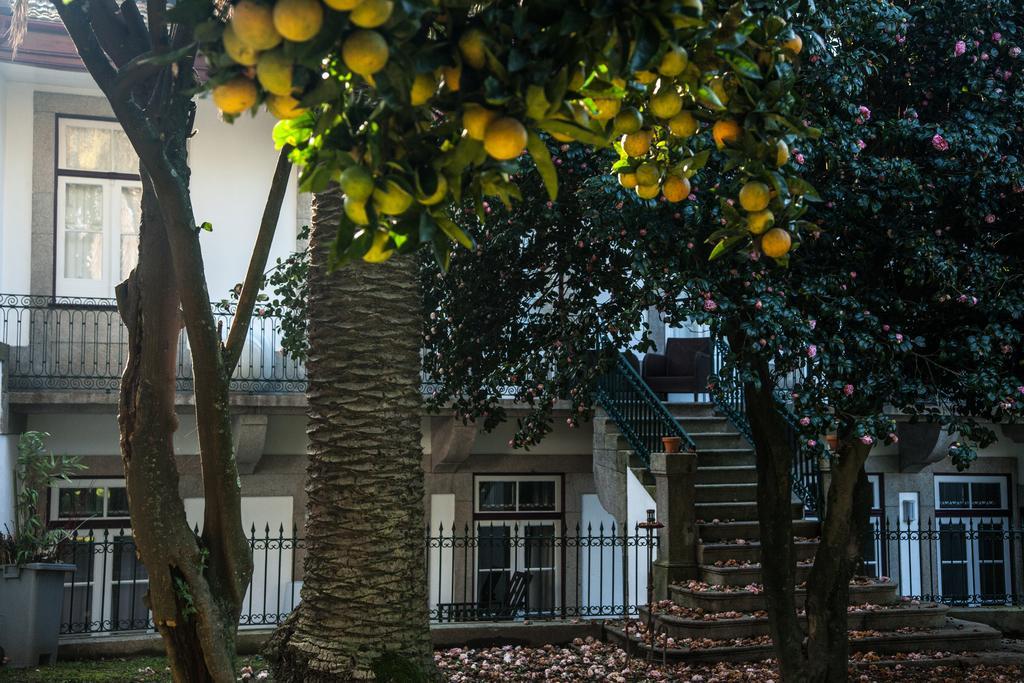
x=364, y=590
x=828, y=586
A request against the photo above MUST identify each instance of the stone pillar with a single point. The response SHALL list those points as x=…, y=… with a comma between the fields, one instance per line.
x=675, y=476
x=825, y=476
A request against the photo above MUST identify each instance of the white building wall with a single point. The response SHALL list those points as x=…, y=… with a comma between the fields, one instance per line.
x=232, y=167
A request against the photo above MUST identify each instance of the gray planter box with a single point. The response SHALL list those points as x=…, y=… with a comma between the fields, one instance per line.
x=30, y=602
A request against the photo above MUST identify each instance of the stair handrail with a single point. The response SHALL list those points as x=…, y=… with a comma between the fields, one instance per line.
x=637, y=411
x=727, y=394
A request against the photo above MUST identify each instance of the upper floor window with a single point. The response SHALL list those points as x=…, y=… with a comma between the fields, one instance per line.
x=99, y=197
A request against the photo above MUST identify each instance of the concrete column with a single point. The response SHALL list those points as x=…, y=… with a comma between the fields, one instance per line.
x=675, y=476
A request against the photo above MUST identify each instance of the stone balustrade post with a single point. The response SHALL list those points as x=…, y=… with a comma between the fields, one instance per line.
x=675, y=476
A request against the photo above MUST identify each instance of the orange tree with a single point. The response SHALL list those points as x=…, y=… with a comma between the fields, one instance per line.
x=414, y=107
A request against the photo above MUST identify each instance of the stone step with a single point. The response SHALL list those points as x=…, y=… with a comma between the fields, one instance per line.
x=735, y=474
x=879, y=593
x=709, y=553
x=748, y=529
x=723, y=626
x=725, y=457
x=742, y=575
x=714, y=423
x=686, y=409
x=718, y=439
x=741, y=511
x=726, y=493
x=954, y=634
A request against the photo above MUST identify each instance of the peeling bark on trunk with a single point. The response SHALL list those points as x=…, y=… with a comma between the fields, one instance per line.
x=364, y=602
x=192, y=622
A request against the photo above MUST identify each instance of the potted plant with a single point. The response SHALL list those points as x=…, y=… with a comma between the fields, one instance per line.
x=672, y=444
x=31, y=578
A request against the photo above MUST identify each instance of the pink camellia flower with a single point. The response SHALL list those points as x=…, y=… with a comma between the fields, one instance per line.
x=959, y=48
x=758, y=305
x=899, y=338
x=991, y=218
x=848, y=390
x=812, y=323
x=865, y=113
x=812, y=351
x=805, y=421
x=799, y=158
x=861, y=144
x=997, y=37
x=939, y=143
x=1020, y=390
x=867, y=440
x=812, y=443
x=984, y=56
x=710, y=305
x=1015, y=52
x=885, y=328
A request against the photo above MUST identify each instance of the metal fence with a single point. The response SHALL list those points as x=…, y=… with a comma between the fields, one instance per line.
x=958, y=560
x=492, y=571
x=81, y=343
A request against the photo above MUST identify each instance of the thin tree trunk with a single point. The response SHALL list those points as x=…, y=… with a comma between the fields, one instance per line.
x=192, y=622
x=775, y=518
x=364, y=604
x=828, y=586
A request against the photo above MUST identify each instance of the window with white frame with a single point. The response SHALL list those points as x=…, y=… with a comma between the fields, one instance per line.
x=518, y=527
x=972, y=525
x=871, y=545
x=99, y=196
x=89, y=499
x=105, y=591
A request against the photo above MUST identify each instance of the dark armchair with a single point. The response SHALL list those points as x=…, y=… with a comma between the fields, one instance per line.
x=683, y=368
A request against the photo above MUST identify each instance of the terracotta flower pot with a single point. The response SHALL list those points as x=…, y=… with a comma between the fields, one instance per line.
x=672, y=444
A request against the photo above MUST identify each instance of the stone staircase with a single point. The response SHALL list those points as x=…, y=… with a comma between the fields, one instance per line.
x=721, y=615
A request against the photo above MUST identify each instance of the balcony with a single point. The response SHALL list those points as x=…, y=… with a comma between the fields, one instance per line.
x=81, y=345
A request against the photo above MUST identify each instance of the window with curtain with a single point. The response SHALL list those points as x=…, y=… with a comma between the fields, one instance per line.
x=99, y=197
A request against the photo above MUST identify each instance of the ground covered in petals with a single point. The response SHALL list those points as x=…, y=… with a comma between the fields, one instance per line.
x=595, y=661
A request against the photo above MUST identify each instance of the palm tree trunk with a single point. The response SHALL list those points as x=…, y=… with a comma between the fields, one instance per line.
x=364, y=603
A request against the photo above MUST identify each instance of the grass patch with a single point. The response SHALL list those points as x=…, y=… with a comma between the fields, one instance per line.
x=119, y=670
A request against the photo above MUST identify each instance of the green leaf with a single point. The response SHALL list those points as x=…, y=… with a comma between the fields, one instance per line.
x=801, y=188
x=697, y=161
x=454, y=232
x=709, y=99
x=578, y=133
x=542, y=158
x=207, y=226
x=537, y=104
x=724, y=246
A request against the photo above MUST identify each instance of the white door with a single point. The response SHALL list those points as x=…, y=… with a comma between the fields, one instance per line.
x=910, y=544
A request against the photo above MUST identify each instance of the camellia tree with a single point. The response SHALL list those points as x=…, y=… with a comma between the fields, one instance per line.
x=910, y=302
x=398, y=110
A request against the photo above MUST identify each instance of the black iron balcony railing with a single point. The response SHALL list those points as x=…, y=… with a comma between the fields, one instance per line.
x=79, y=343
